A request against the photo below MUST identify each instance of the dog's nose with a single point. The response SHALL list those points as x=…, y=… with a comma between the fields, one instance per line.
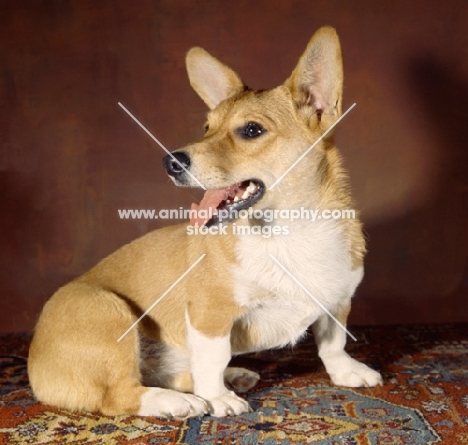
x=176, y=163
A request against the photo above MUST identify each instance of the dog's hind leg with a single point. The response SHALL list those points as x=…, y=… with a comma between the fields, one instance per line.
x=240, y=379
x=126, y=395
x=77, y=363
x=331, y=339
x=157, y=402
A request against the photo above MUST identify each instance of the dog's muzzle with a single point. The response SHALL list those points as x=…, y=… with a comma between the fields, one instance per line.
x=176, y=164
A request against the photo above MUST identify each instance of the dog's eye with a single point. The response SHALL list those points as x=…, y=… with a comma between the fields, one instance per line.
x=252, y=130
x=207, y=127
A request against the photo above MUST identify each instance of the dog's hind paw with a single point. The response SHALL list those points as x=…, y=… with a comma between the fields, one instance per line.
x=240, y=379
x=228, y=405
x=161, y=402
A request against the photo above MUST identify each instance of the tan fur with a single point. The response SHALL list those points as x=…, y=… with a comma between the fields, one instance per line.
x=182, y=382
x=75, y=360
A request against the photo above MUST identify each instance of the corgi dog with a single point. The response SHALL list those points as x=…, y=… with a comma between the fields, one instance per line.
x=223, y=293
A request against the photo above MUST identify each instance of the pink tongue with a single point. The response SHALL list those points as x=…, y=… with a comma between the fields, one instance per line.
x=207, y=207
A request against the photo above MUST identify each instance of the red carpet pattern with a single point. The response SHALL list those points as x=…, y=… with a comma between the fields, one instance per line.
x=424, y=399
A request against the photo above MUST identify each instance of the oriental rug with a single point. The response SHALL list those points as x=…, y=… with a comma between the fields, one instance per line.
x=424, y=399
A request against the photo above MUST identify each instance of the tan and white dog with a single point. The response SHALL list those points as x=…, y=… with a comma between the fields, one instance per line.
x=237, y=299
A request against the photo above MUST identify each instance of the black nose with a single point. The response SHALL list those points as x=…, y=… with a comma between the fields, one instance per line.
x=176, y=163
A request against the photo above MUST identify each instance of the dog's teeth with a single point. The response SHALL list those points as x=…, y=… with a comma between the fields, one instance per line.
x=236, y=198
x=228, y=201
x=252, y=187
x=245, y=195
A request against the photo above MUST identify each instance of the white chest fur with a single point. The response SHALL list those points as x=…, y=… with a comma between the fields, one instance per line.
x=278, y=310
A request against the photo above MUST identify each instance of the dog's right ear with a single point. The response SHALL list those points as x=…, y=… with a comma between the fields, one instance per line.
x=212, y=80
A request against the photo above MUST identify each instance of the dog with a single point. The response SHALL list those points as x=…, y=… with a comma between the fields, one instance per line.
x=248, y=292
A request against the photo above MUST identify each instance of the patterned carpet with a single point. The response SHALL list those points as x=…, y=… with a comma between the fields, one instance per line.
x=424, y=399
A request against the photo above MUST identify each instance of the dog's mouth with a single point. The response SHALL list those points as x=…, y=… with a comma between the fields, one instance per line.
x=224, y=204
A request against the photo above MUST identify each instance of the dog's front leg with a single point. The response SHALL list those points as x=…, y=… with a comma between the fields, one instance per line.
x=210, y=353
x=331, y=339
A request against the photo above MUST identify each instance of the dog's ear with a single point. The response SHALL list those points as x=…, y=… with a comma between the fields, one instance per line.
x=212, y=80
x=317, y=81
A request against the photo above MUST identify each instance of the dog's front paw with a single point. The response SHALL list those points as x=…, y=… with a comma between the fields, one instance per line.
x=228, y=404
x=354, y=374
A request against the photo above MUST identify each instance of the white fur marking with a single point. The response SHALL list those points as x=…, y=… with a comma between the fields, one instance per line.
x=209, y=358
x=278, y=311
x=342, y=369
x=167, y=403
x=311, y=296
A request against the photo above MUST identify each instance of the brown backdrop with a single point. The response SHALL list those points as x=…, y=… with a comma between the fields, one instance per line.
x=70, y=157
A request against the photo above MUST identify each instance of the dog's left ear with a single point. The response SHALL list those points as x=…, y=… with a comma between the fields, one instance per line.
x=316, y=83
x=212, y=80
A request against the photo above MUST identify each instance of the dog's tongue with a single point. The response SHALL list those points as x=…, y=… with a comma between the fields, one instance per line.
x=208, y=205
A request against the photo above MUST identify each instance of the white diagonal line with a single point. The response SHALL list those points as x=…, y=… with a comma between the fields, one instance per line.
x=311, y=147
x=162, y=146
x=161, y=297
x=311, y=296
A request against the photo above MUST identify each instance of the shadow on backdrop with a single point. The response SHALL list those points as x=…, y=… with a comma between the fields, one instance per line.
x=424, y=254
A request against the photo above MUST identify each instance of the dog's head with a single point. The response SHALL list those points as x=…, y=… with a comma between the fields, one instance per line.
x=253, y=137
